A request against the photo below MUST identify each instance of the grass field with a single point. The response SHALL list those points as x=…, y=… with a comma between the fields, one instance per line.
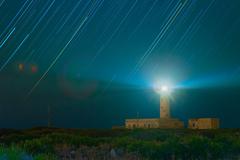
x=56, y=143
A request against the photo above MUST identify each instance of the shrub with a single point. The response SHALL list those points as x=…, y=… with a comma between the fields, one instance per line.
x=45, y=157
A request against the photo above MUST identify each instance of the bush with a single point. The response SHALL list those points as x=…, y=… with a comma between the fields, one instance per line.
x=196, y=146
x=45, y=157
x=11, y=153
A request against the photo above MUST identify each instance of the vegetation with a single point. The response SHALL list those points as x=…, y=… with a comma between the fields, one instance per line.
x=50, y=144
x=15, y=153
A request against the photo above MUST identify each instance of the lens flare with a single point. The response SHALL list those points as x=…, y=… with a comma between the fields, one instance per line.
x=20, y=67
x=34, y=68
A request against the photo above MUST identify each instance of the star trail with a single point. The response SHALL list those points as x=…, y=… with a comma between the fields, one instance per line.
x=53, y=51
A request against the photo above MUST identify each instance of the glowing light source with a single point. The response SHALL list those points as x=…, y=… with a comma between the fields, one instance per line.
x=162, y=88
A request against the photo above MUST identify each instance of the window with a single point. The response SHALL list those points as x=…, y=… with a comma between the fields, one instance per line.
x=134, y=126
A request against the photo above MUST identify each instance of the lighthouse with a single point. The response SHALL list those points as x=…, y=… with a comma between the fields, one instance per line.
x=164, y=107
x=164, y=121
x=164, y=102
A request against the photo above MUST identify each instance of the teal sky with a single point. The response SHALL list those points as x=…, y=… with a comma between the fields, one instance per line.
x=100, y=59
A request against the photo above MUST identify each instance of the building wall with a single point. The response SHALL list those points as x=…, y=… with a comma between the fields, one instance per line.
x=170, y=123
x=153, y=123
x=203, y=123
x=141, y=123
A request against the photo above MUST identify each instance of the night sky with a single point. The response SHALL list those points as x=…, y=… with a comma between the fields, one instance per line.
x=95, y=62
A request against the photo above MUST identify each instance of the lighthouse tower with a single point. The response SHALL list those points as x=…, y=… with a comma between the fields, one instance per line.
x=164, y=107
x=165, y=121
